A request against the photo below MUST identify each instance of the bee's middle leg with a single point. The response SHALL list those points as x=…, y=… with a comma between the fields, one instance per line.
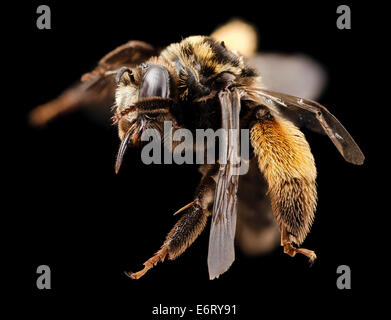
x=189, y=226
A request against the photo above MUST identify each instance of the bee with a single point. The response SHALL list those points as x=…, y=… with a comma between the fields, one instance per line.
x=204, y=83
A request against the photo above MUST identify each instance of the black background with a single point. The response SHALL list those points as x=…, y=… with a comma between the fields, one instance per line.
x=71, y=212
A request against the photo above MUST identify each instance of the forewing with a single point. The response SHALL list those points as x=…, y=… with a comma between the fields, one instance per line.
x=96, y=88
x=308, y=113
x=222, y=233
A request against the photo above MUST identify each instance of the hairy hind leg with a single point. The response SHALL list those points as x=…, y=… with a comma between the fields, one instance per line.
x=289, y=248
x=286, y=161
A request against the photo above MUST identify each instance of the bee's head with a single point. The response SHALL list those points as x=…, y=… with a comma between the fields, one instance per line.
x=144, y=99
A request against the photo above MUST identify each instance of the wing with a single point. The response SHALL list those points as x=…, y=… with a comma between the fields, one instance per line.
x=222, y=233
x=308, y=113
x=96, y=88
x=295, y=74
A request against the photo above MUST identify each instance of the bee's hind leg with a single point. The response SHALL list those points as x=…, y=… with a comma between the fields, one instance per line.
x=189, y=226
x=291, y=250
x=285, y=158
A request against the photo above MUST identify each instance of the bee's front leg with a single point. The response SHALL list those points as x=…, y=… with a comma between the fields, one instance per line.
x=189, y=226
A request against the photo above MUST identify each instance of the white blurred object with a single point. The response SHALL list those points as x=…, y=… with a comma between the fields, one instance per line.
x=294, y=74
x=238, y=36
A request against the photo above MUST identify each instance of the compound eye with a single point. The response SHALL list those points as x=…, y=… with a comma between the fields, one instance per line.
x=125, y=76
x=156, y=82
